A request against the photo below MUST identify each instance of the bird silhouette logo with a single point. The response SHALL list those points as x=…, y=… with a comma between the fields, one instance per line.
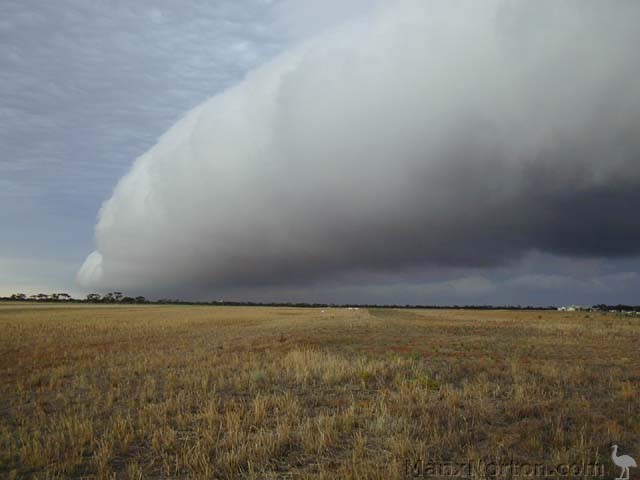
x=622, y=461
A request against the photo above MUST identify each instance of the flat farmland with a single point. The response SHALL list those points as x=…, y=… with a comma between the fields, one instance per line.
x=133, y=392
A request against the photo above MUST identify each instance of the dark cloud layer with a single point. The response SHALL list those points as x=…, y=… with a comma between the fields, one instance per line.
x=433, y=134
x=114, y=74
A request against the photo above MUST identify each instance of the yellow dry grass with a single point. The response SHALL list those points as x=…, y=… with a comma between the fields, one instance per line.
x=221, y=392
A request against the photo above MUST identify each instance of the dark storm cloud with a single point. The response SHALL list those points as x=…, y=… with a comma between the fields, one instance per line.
x=424, y=133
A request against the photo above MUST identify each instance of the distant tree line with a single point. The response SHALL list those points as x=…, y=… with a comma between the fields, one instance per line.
x=51, y=297
x=120, y=298
x=112, y=297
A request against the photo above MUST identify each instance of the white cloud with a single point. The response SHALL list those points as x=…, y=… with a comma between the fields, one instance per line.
x=417, y=134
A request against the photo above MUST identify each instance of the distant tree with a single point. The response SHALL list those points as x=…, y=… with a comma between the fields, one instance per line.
x=42, y=296
x=64, y=296
x=117, y=296
x=18, y=296
x=127, y=300
x=141, y=300
x=94, y=297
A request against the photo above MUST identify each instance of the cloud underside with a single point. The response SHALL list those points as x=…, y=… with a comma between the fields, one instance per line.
x=421, y=134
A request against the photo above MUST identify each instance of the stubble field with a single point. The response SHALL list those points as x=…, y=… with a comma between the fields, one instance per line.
x=237, y=392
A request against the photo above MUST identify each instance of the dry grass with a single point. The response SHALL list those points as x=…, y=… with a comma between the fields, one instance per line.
x=217, y=392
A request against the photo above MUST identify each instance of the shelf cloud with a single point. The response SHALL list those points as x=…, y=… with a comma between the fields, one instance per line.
x=418, y=134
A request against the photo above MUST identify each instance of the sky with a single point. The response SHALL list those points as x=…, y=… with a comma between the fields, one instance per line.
x=428, y=152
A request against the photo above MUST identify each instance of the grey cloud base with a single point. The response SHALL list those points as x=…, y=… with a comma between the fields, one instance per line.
x=424, y=133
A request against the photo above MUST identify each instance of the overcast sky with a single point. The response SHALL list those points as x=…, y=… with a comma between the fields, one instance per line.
x=349, y=151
